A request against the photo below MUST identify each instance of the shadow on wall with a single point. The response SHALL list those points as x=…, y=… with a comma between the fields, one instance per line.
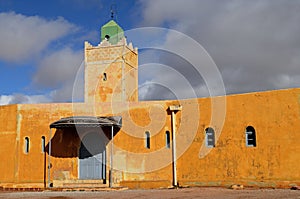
x=66, y=142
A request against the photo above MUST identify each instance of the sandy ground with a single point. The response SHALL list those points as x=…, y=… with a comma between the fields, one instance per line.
x=216, y=193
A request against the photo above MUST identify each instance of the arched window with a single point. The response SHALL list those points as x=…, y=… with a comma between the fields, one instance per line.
x=168, y=139
x=210, y=137
x=43, y=144
x=250, y=137
x=147, y=140
x=26, y=145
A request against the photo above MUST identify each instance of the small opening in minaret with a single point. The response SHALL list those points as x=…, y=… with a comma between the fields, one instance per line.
x=106, y=37
x=104, y=77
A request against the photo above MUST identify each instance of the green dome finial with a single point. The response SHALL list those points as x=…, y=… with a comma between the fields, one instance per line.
x=112, y=32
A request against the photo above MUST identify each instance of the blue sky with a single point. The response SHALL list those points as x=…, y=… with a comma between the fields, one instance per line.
x=254, y=44
x=72, y=23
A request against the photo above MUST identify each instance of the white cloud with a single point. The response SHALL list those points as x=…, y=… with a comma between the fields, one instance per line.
x=23, y=37
x=23, y=99
x=58, y=67
x=5, y=99
x=57, y=71
x=31, y=38
x=255, y=44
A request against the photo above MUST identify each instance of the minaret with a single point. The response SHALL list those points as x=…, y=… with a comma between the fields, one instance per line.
x=111, y=68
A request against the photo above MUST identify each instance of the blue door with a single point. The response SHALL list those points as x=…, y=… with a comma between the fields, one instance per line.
x=92, y=157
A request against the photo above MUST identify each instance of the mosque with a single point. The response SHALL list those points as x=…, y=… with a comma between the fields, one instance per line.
x=114, y=140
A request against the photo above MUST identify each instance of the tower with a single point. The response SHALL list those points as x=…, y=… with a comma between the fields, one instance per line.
x=111, y=68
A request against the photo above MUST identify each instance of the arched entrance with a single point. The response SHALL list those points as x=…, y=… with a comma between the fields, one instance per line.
x=92, y=156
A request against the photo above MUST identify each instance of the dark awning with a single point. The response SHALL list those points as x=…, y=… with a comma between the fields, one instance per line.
x=87, y=122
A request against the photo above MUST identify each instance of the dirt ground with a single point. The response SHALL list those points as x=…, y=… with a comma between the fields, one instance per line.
x=216, y=193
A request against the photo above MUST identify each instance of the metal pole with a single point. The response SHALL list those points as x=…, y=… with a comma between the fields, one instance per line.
x=111, y=158
x=174, y=149
x=49, y=159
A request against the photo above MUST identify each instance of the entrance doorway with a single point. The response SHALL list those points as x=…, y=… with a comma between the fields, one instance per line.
x=92, y=156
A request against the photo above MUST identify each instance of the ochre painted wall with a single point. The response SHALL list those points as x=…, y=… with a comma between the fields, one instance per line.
x=275, y=117
x=272, y=163
x=35, y=125
x=273, y=114
x=8, y=143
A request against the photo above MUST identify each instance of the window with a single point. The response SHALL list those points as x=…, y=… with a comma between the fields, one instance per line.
x=210, y=137
x=250, y=137
x=104, y=77
x=26, y=145
x=147, y=140
x=168, y=139
x=43, y=144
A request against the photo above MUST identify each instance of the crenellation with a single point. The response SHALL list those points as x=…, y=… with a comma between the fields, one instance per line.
x=104, y=43
x=130, y=46
x=87, y=45
x=122, y=42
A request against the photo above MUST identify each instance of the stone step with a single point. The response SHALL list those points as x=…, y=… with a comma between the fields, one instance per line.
x=80, y=184
x=84, y=185
x=91, y=189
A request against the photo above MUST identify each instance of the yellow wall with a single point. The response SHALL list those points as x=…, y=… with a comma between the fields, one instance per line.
x=8, y=144
x=275, y=117
x=273, y=114
x=35, y=124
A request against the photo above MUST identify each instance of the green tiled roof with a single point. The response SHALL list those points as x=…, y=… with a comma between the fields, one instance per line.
x=112, y=31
